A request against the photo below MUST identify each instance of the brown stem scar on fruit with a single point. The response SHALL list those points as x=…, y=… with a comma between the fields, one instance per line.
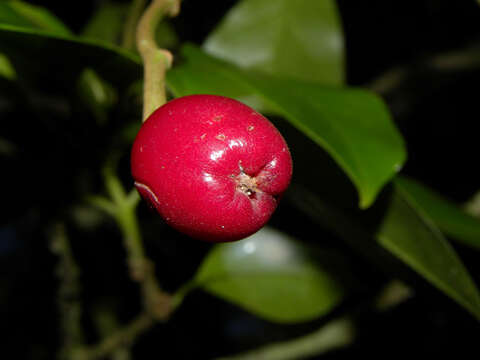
x=144, y=187
x=246, y=184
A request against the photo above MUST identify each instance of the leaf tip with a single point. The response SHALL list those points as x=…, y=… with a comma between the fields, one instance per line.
x=365, y=201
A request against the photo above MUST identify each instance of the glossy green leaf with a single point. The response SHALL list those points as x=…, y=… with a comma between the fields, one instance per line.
x=353, y=125
x=199, y=73
x=446, y=215
x=391, y=226
x=272, y=276
x=299, y=39
x=412, y=236
x=23, y=14
x=405, y=232
x=66, y=56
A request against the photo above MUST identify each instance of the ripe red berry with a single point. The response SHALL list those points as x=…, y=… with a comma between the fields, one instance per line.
x=211, y=166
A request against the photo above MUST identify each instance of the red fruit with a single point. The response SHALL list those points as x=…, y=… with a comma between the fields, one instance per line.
x=211, y=166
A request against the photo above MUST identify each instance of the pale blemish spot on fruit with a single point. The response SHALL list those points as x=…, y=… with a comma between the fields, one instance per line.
x=250, y=128
x=220, y=137
x=203, y=136
x=149, y=191
x=217, y=118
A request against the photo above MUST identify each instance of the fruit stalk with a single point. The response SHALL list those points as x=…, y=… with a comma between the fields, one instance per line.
x=156, y=61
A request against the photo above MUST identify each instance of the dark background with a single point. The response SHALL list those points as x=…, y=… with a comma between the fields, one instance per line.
x=435, y=108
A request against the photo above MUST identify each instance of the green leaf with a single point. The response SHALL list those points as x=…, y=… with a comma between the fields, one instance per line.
x=65, y=56
x=25, y=15
x=199, y=73
x=392, y=227
x=299, y=39
x=352, y=125
x=30, y=32
x=411, y=236
x=401, y=229
x=446, y=215
x=272, y=276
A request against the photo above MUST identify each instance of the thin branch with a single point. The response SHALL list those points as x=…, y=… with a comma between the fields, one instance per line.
x=69, y=304
x=125, y=337
x=158, y=304
x=133, y=198
x=142, y=269
x=333, y=335
x=102, y=203
x=132, y=240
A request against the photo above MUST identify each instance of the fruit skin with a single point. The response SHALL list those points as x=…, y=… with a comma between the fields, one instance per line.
x=212, y=167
